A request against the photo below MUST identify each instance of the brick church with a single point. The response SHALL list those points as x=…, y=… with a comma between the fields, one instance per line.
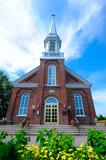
x=51, y=93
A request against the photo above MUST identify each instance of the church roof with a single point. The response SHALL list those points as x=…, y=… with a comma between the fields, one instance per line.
x=78, y=76
x=30, y=73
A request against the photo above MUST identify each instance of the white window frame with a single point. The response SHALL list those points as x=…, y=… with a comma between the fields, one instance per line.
x=79, y=105
x=52, y=75
x=24, y=104
x=49, y=102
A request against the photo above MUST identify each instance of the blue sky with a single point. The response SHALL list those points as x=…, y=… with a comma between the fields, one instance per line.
x=81, y=25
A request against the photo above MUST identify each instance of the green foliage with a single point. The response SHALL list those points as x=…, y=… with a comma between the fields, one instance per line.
x=3, y=135
x=20, y=139
x=8, y=151
x=97, y=140
x=99, y=118
x=82, y=152
x=30, y=152
x=52, y=146
x=5, y=91
x=54, y=141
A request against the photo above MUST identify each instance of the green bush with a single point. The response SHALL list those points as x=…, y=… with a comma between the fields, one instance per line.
x=20, y=139
x=54, y=141
x=52, y=146
x=99, y=118
x=3, y=135
x=97, y=139
x=8, y=151
x=83, y=152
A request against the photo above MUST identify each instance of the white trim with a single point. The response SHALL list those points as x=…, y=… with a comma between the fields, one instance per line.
x=51, y=58
x=57, y=104
x=81, y=115
x=77, y=76
x=19, y=115
x=25, y=85
x=24, y=97
x=77, y=85
x=49, y=98
x=82, y=106
x=53, y=76
x=26, y=75
x=52, y=55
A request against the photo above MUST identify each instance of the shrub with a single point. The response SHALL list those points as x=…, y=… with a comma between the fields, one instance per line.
x=7, y=148
x=80, y=153
x=97, y=140
x=101, y=117
x=52, y=146
x=8, y=151
x=3, y=135
x=83, y=152
x=31, y=152
x=53, y=141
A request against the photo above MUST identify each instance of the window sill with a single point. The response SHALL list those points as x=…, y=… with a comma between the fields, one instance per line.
x=46, y=85
x=19, y=115
x=80, y=115
x=51, y=85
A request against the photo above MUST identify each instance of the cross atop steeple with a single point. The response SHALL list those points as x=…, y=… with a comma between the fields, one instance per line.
x=52, y=29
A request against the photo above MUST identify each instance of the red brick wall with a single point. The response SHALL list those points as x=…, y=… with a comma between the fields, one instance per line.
x=87, y=104
x=39, y=95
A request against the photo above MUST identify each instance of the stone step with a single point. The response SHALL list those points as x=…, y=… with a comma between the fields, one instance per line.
x=34, y=129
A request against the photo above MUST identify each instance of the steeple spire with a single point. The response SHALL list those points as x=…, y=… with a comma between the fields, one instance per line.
x=52, y=43
x=52, y=29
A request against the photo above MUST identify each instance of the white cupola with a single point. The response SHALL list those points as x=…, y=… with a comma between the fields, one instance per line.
x=52, y=43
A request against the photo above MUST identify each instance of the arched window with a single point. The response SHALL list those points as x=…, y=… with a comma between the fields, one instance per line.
x=24, y=104
x=52, y=46
x=51, y=75
x=51, y=100
x=78, y=104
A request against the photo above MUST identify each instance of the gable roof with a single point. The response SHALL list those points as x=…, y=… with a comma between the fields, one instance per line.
x=26, y=75
x=77, y=76
x=66, y=68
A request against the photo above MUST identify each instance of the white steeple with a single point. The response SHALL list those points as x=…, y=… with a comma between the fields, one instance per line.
x=52, y=29
x=52, y=43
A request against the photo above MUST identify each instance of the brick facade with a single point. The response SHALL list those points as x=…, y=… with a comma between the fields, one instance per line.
x=64, y=95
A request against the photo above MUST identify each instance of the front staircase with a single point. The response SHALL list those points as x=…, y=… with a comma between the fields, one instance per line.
x=34, y=129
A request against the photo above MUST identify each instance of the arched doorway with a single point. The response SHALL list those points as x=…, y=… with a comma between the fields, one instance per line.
x=51, y=111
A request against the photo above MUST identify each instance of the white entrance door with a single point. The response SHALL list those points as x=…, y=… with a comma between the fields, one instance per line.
x=51, y=111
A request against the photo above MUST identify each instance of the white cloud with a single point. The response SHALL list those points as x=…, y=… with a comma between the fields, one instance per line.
x=20, y=36
x=83, y=29
x=22, y=32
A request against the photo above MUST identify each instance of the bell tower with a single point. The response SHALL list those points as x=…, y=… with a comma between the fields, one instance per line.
x=52, y=43
x=51, y=79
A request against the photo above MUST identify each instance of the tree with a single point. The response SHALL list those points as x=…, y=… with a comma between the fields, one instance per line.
x=5, y=91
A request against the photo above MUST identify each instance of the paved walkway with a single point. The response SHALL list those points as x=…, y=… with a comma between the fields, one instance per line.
x=78, y=140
